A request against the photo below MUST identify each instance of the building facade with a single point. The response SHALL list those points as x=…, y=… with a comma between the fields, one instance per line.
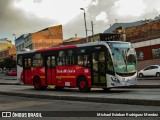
x=45, y=38
x=146, y=40
x=8, y=52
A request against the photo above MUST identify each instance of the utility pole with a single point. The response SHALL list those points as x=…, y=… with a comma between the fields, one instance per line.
x=85, y=23
x=92, y=30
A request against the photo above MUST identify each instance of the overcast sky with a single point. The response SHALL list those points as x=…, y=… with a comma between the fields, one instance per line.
x=27, y=16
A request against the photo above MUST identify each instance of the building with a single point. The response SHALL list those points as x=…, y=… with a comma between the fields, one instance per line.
x=8, y=52
x=45, y=38
x=5, y=43
x=19, y=42
x=6, y=49
x=145, y=37
x=146, y=40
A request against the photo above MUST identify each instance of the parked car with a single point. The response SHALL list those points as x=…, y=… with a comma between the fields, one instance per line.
x=152, y=70
x=12, y=72
x=7, y=71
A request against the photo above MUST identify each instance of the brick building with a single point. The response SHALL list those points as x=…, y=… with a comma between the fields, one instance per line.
x=146, y=40
x=7, y=49
x=45, y=38
x=8, y=52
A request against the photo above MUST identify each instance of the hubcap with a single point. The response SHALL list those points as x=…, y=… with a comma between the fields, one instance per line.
x=82, y=84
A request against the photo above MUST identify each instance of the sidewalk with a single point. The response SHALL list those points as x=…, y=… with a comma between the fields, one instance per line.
x=148, y=97
x=140, y=94
x=141, y=83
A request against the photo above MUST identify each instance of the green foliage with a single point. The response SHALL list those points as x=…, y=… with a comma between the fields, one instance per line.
x=2, y=65
x=9, y=62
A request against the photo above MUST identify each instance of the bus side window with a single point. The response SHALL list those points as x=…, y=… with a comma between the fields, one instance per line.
x=53, y=63
x=109, y=63
x=61, y=60
x=70, y=57
x=80, y=60
x=95, y=62
x=19, y=60
x=83, y=60
x=37, y=60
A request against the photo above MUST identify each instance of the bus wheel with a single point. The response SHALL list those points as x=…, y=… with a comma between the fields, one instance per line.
x=83, y=85
x=106, y=89
x=37, y=83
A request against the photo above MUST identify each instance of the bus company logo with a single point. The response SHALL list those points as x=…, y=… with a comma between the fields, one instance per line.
x=66, y=71
x=6, y=114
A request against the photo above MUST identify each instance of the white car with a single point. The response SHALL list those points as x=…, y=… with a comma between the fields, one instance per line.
x=152, y=70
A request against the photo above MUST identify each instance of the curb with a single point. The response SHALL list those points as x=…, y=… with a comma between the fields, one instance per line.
x=88, y=99
x=10, y=84
x=133, y=86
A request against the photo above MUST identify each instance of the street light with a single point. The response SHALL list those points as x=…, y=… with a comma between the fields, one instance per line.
x=14, y=36
x=85, y=23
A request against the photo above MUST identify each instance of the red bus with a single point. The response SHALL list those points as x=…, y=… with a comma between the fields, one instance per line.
x=104, y=64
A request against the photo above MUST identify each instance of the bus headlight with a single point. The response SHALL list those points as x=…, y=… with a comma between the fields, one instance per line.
x=115, y=80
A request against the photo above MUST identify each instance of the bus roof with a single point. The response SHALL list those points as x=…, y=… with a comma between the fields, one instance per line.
x=56, y=48
x=70, y=46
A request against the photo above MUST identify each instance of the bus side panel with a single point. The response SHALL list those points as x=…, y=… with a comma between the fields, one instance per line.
x=28, y=79
x=83, y=71
x=39, y=72
x=66, y=76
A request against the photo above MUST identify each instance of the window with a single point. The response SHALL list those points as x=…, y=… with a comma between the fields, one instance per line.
x=70, y=57
x=83, y=60
x=61, y=60
x=139, y=55
x=102, y=62
x=51, y=61
x=148, y=68
x=156, y=53
x=154, y=67
x=19, y=60
x=37, y=60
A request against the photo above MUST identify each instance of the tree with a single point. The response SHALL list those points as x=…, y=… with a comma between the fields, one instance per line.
x=9, y=62
x=2, y=65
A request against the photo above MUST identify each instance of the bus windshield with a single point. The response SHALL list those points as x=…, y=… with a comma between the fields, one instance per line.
x=124, y=57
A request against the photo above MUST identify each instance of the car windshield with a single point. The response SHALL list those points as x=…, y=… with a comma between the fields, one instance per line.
x=124, y=57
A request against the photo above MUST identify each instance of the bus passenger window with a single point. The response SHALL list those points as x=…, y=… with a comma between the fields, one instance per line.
x=109, y=63
x=48, y=62
x=53, y=61
x=37, y=60
x=95, y=62
x=86, y=61
x=61, y=60
x=29, y=63
x=20, y=60
x=80, y=60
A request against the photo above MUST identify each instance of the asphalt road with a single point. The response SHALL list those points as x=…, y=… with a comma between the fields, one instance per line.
x=23, y=104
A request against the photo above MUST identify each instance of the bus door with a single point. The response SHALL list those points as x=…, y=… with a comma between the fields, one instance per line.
x=27, y=73
x=50, y=70
x=98, y=68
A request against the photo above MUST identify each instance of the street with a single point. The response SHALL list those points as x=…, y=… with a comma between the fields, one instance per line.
x=14, y=103
x=22, y=98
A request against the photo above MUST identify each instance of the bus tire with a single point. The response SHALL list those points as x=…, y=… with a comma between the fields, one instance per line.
x=106, y=89
x=37, y=84
x=83, y=84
